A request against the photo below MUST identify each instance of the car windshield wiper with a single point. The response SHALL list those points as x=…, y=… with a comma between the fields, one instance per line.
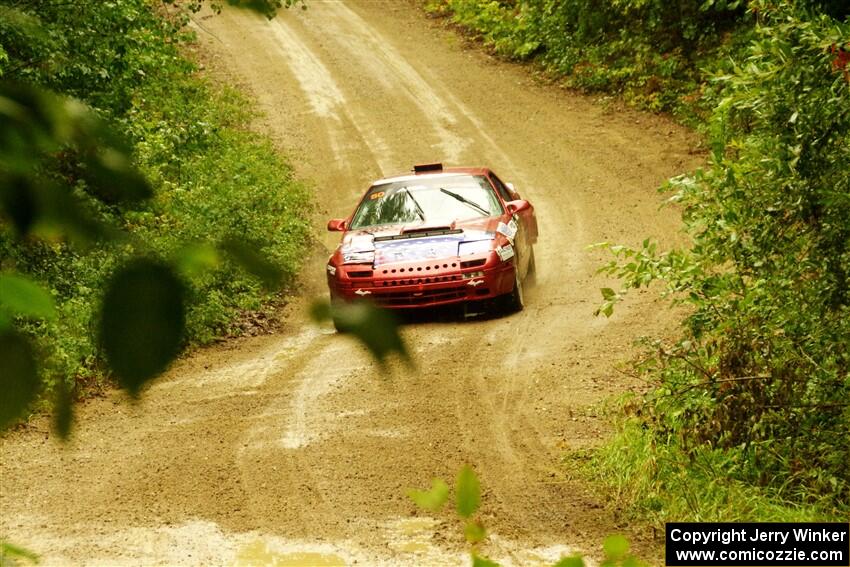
x=419, y=210
x=466, y=201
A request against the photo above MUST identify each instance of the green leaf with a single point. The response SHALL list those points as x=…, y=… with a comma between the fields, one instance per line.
x=615, y=546
x=431, y=499
x=112, y=176
x=64, y=410
x=247, y=256
x=607, y=293
x=376, y=328
x=23, y=297
x=474, y=532
x=572, y=561
x=468, y=492
x=142, y=321
x=195, y=260
x=12, y=554
x=19, y=380
x=479, y=561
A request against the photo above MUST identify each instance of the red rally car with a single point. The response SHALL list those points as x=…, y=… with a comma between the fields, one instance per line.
x=436, y=237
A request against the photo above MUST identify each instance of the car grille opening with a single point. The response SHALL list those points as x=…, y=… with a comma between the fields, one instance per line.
x=473, y=263
x=360, y=274
x=416, y=281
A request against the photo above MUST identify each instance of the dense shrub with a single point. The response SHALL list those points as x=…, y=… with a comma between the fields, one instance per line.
x=212, y=177
x=651, y=52
x=764, y=369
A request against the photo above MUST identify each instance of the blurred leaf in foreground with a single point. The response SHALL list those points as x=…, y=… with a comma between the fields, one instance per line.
x=479, y=561
x=574, y=561
x=142, y=322
x=468, y=492
x=13, y=555
x=432, y=499
x=63, y=410
x=20, y=296
x=374, y=327
x=615, y=546
x=194, y=260
x=19, y=379
x=247, y=256
x=474, y=531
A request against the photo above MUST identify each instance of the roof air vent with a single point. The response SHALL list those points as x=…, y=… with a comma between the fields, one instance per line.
x=426, y=167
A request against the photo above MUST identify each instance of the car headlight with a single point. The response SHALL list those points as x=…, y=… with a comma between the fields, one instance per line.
x=331, y=269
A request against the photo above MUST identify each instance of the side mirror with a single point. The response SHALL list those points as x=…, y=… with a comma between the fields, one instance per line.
x=515, y=207
x=337, y=225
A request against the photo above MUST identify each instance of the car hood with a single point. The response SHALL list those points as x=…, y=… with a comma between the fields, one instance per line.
x=418, y=242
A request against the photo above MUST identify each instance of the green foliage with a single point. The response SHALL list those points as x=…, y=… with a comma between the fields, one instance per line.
x=143, y=161
x=474, y=532
x=654, y=479
x=468, y=499
x=20, y=376
x=432, y=499
x=763, y=371
x=468, y=492
x=21, y=297
x=652, y=52
x=376, y=328
x=142, y=321
x=574, y=561
x=479, y=561
x=12, y=555
x=268, y=8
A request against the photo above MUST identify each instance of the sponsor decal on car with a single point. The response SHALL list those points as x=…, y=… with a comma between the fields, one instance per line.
x=509, y=230
x=358, y=257
x=505, y=252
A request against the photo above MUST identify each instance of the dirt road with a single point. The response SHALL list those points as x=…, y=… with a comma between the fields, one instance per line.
x=295, y=448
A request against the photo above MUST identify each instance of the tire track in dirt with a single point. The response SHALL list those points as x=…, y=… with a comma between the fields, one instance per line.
x=297, y=446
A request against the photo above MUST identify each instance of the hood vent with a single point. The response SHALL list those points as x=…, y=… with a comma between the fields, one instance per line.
x=427, y=167
x=419, y=232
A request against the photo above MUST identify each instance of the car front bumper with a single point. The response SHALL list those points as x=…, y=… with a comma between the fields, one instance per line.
x=423, y=284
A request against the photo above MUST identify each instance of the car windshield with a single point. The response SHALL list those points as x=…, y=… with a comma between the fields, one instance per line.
x=428, y=199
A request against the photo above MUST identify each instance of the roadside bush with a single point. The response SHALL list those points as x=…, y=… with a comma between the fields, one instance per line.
x=763, y=372
x=653, y=53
